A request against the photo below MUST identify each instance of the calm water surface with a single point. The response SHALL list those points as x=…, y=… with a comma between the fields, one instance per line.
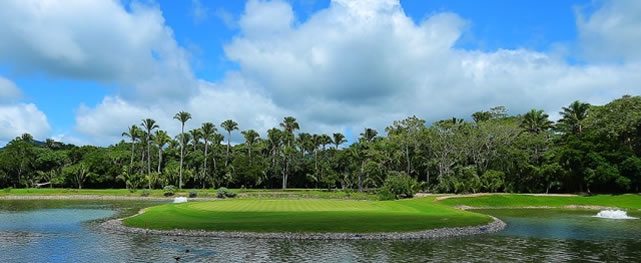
x=56, y=231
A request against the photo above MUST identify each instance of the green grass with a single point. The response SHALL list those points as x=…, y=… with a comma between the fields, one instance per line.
x=310, y=215
x=629, y=201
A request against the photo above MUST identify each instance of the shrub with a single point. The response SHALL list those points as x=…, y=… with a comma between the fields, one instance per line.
x=8, y=189
x=385, y=194
x=225, y=193
x=492, y=180
x=169, y=190
x=193, y=194
x=398, y=185
x=145, y=193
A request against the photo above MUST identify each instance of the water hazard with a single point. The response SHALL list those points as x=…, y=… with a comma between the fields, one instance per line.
x=54, y=231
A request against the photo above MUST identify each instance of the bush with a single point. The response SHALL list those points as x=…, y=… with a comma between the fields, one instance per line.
x=145, y=193
x=193, y=194
x=8, y=189
x=169, y=190
x=225, y=193
x=398, y=185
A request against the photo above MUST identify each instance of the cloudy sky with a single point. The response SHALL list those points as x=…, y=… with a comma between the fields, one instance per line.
x=82, y=71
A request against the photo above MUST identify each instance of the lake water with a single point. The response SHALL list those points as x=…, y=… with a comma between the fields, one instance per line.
x=57, y=231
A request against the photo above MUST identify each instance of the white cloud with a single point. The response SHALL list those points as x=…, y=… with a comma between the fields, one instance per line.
x=612, y=32
x=16, y=119
x=8, y=90
x=365, y=63
x=352, y=65
x=214, y=103
x=99, y=41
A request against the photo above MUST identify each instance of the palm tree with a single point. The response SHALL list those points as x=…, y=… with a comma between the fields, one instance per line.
x=339, y=139
x=250, y=138
x=161, y=138
x=133, y=134
x=229, y=126
x=324, y=140
x=183, y=117
x=207, y=131
x=196, y=135
x=368, y=135
x=149, y=125
x=536, y=121
x=289, y=124
x=572, y=116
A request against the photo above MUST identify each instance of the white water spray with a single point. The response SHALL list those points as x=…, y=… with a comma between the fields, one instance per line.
x=178, y=200
x=613, y=214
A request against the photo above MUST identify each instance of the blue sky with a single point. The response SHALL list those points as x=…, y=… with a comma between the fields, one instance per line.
x=210, y=56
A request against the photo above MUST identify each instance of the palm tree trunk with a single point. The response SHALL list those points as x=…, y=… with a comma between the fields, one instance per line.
x=148, y=155
x=205, y=175
x=228, y=146
x=159, y=158
x=133, y=151
x=182, y=154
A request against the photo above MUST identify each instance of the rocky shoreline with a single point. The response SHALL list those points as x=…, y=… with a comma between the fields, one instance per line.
x=116, y=225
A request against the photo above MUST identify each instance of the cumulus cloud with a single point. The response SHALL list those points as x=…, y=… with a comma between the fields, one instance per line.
x=612, y=32
x=366, y=63
x=8, y=90
x=18, y=118
x=99, y=41
x=215, y=103
x=355, y=64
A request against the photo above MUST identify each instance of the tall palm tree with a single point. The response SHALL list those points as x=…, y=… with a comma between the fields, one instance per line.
x=289, y=125
x=368, y=135
x=132, y=134
x=161, y=138
x=149, y=125
x=572, y=116
x=196, y=135
x=338, y=139
x=207, y=131
x=324, y=140
x=251, y=137
x=229, y=126
x=183, y=117
x=536, y=121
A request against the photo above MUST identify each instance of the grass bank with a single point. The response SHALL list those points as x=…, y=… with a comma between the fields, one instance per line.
x=627, y=201
x=311, y=215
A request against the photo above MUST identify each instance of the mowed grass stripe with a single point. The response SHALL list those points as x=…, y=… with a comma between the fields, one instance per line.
x=307, y=216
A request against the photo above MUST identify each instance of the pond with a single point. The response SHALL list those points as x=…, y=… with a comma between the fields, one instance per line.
x=57, y=231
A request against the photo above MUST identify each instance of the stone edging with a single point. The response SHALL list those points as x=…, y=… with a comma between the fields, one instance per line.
x=116, y=225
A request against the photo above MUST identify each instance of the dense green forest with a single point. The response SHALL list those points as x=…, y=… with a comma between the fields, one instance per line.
x=590, y=149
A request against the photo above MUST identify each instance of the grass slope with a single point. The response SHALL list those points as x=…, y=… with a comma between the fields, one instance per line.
x=309, y=215
x=629, y=201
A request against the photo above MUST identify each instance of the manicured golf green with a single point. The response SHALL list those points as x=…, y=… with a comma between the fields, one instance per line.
x=628, y=201
x=306, y=215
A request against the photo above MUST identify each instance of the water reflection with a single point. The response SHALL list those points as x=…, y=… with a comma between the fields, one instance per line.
x=60, y=233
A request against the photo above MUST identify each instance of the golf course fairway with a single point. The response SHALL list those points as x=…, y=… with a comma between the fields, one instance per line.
x=306, y=216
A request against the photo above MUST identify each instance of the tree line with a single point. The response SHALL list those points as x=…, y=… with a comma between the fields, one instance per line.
x=589, y=149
